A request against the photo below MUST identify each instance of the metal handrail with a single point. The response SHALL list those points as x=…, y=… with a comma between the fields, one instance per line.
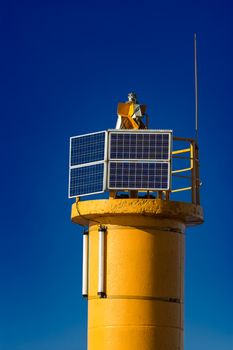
x=193, y=168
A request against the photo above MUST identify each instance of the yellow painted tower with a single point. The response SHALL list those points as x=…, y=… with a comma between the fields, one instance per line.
x=134, y=246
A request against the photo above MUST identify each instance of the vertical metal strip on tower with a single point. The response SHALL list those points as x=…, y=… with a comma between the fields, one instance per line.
x=85, y=264
x=101, y=267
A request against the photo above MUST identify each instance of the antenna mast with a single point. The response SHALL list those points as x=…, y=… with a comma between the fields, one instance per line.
x=196, y=87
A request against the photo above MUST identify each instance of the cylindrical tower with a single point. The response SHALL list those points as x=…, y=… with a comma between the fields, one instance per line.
x=133, y=250
x=135, y=271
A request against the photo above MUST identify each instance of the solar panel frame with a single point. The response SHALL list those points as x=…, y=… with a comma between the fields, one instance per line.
x=147, y=160
x=89, y=164
x=80, y=137
x=140, y=132
x=165, y=188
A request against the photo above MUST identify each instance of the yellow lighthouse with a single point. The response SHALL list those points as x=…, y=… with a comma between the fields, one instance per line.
x=133, y=245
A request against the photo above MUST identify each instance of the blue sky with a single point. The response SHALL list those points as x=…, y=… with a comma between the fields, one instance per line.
x=64, y=67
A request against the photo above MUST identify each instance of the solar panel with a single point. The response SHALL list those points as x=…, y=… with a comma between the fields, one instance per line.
x=139, y=175
x=87, y=180
x=137, y=160
x=87, y=148
x=88, y=155
x=140, y=145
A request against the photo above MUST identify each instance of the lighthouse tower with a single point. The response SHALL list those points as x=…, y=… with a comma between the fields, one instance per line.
x=133, y=242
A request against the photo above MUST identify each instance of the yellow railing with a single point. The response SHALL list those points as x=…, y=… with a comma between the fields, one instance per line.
x=193, y=168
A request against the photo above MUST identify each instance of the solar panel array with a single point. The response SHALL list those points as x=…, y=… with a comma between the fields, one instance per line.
x=137, y=160
x=87, y=164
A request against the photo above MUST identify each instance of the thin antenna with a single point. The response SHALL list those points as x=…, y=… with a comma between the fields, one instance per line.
x=196, y=86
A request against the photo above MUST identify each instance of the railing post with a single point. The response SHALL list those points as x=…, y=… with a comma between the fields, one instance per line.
x=197, y=175
x=193, y=171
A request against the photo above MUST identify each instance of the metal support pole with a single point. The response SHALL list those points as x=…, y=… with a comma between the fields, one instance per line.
x=196, y=86
x=160, y=194
x=85, y=265
x=101, y=271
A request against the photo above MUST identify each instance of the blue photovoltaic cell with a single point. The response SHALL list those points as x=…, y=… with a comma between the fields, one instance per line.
x=132, y=175
x=86, y=180
x=87, y=148
x=146, y=146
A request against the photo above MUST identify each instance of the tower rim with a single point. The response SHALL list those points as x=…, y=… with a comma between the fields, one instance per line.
x=109, y=211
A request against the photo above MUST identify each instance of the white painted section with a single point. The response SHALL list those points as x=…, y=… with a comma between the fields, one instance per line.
x=85, y=265
x=101, y=261
x=118, y=123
